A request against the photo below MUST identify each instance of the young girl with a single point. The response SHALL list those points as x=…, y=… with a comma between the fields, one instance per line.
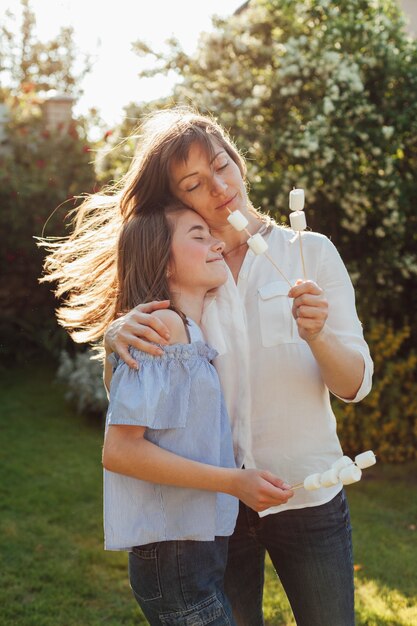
x=170, y=480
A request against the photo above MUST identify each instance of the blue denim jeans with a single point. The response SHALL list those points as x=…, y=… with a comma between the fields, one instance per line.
x=181, y=583
x=311, y=550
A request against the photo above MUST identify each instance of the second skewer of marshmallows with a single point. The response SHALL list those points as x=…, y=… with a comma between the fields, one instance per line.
x=344, y=471
x=255, y=242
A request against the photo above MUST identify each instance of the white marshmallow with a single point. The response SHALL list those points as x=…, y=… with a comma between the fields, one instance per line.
x=365, y=459
x=257, y=244
x=312, y=482
x=237, y=220
x=329, y=478
x=298, y=220
x=297, y=199
x=344, y=461
x=349, y=475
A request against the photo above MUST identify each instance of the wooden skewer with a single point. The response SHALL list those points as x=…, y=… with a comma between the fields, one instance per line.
x=302, y=255
x=277, y=268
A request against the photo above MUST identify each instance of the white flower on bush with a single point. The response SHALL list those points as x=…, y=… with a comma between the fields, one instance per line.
x=328, y=106
x=388, y=131
x=261, y=91
x=83, y=377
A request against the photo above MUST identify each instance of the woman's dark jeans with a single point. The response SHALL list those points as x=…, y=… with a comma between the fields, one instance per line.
x=311, y=550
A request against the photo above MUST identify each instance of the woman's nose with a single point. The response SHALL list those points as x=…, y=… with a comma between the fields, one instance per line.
x=219, y=185
x=218, y=246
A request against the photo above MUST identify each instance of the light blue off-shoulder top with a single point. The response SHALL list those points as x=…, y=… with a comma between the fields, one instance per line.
x=178, y=398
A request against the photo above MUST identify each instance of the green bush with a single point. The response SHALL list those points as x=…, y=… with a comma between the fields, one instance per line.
x=83, y=377
x=386, y=420
x=41, y=172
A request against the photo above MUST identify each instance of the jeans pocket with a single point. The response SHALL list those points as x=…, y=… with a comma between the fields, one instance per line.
x=144, y=572
x=211, y=611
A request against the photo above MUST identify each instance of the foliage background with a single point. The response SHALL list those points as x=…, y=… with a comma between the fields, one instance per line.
x=316, y=94
x=323, y=95
x=42, y=170
x=32, y=187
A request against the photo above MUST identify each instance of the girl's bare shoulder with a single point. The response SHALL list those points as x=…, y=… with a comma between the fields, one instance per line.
x=174, y=323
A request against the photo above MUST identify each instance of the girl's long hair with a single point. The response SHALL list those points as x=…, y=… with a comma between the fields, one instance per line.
x=144, y=253
x=84, y=266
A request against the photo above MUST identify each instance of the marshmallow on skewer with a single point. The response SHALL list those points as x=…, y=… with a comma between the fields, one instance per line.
x=344, y=471
x=237, y=220
x=365, y=459
x=350, y=474
x=312, y=482
x=297, y=199
x=298, y=220
x=257, y=244
x=344, y=461
x=329, y=478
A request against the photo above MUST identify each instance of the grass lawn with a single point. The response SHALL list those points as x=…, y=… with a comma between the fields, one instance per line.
x=54, y=571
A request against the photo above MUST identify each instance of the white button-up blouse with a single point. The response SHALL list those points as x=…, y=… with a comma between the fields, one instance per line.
x=279, y=406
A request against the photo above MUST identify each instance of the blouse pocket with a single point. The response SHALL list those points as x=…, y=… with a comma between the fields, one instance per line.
x=275, y=314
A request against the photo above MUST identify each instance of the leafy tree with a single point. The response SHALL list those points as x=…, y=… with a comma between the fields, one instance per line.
x=41, y=173
x=322, y=95
x=42, y=169
x=32, y=65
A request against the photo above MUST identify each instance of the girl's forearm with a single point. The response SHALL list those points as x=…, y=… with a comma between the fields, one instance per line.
x=140, y=458
x=137, y=457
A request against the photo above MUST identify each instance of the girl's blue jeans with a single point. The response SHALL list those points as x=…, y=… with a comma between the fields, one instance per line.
x=181, y=583
x=311, y=551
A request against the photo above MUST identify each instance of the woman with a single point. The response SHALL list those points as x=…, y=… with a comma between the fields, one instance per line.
x=281, y=351
x=170, y=480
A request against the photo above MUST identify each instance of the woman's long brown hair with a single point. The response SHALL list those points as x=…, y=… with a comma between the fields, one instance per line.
x=84, y=266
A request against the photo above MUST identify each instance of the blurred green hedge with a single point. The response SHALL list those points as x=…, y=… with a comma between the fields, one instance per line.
x=41, y=173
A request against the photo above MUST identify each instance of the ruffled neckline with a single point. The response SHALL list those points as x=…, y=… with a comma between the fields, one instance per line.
x=179, y=351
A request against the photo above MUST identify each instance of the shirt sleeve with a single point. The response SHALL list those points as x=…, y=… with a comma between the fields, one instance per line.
x=343, y=318
x=155, y=396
